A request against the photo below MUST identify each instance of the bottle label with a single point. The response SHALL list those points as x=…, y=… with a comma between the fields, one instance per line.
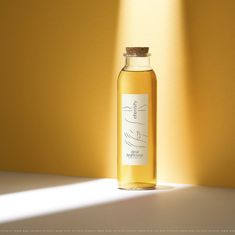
x=134, y=129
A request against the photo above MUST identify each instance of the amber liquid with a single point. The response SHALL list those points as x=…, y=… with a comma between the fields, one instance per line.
x=138, y=176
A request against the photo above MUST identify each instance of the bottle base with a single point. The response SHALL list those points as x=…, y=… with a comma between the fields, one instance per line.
x=137, y=186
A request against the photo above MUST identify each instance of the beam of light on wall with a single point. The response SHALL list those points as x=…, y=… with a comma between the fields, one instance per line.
x=39, y=202
x=159, y=24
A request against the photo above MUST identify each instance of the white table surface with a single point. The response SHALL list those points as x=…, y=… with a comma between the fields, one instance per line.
x=52, y=204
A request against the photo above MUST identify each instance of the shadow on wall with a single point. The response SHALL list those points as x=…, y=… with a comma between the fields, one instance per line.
x=56, y=84
x=210, y=36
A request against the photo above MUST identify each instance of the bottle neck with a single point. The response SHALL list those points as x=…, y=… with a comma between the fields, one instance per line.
x=134, y=63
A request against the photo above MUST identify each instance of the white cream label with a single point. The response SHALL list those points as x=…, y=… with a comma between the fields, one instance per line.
x=134, y=129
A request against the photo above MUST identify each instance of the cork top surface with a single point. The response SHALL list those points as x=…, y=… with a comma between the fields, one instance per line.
x=137, y=51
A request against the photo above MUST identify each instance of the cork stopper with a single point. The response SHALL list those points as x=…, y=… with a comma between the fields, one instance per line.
x=137, y=51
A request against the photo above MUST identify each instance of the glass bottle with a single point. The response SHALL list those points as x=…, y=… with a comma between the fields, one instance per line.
x=136, y=121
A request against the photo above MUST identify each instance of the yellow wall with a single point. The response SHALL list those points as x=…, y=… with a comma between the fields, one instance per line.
x=56, y=75
x=58, y=70
x=210, y=36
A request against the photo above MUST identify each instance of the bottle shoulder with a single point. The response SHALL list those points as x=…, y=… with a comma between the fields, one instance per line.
x=143, y=74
